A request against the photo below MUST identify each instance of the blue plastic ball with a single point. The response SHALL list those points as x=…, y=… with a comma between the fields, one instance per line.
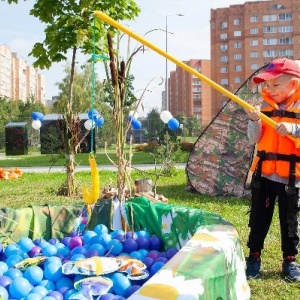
x=19, y=288
x=5, y=281
x=92, y=114
x=34, y=274
x=53, y=272
x=76, y=257
x=56, y=295
x=100, y=228
x=52, y=260
x=108, y=296
x=135, y=123
x=156, y=267
x=155, y=243
x=87, y=236
x=40, y=290
x=26, y=244
x=3, y=293
x=66, y=240
x=49, y=250
x=64, y=282
x=171, y=252
x=136, y=255
x=33, y=296
x=130, y=245
x=132, y=289
x=13, y=259
x=69, y=293
x=105, y=238
x=143, y=242
x=131, y=234
x=99, y=121
x=13, y=273
x=115, y=247
x=53, y=241
x=48, y=284
x=3, y=267
x=120, y=284
x=49, y=298
x=99, y=248
x=143, y=233
x=12, y=249
x=148, y=261
x=143, y=253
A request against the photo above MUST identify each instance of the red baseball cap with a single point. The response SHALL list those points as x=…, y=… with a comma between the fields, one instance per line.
x=277, y=68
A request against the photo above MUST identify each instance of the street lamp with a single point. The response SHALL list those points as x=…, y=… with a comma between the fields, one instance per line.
x=167, y=89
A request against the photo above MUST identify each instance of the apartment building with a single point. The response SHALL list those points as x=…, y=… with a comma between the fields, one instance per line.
x=189, y=95
x=18, y=81
x=245, y=37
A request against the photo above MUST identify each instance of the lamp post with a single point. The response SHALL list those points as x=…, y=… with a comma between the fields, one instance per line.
x=167, y=89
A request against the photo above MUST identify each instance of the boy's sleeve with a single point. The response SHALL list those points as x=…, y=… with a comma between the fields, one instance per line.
x=254, y=131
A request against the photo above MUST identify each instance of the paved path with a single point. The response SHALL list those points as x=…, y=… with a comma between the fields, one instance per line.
x=87, y=168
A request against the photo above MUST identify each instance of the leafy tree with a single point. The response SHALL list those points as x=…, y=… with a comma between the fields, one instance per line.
x=153, y=123
x=69, y=26
x=193, y=125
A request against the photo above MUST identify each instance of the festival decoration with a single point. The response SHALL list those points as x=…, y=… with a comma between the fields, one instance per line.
x=37, y=119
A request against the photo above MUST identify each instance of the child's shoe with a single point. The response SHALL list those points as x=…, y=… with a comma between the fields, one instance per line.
x=253, y=266
x=290, y=269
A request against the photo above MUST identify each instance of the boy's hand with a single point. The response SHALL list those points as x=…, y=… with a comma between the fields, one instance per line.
x=253, y=115
x=284, y=128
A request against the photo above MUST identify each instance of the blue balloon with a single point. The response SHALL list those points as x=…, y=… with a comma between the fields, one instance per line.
x=92, y=114
x=13, y=259
x=48, y=284
x=99, y=248
x=26, y=244
x=120, y=283
x=173, y=124
x=115, y=247
x=33, y=296
x=53, y=271
x=50, y=250
x=130, y=245
x=34, y=274
x=64, y=282
x=19, y=288
x=13, y=273
x=135, y=123
x=3, y=267
x=41, y=290
x=100, y=228
x=37, y=116
x=99, y=121
x=4, y=293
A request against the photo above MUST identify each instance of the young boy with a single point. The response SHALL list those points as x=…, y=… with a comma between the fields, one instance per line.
x=276, y=167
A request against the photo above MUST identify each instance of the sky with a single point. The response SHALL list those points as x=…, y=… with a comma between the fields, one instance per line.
x=188, y=38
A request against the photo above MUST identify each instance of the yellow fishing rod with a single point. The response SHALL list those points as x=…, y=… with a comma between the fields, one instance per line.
x=184, y=66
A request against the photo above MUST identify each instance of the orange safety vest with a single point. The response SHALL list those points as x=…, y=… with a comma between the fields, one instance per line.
x=273, y=143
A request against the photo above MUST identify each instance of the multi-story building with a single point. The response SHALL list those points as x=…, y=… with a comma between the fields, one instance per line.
x=245, y=37
x=189, y=95
x=17, y=80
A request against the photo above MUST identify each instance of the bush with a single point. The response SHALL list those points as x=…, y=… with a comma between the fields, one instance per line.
x=187, y=146
x=151, y=147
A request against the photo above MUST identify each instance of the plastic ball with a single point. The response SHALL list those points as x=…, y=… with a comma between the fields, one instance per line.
x=69, y=293
x=87, y=236
x=131, y=234
x=64, y=282
x=19, y=288
x=63, y=289
x=99, y=248
x=49, y=250
x=91, y=253
x=144, y=233
x=130, y=245
x=59, y=245
x=173, y=124
x=52, y=259
x=92, y=114
x=5, y=281
x=53, y=272
x=40, y=242
x=49, y=298
x=13, y=259
x=108, y=296
x=114, y=247
x=53, y=241
x=89, y=124
x=3, y=267
x=64, y=251
x=26, y=244
x=155, y=243
x=41, y=290
x=105, y=239
x=48, y=284
x=12, y=249
x=148, y=261
x=136, y=255
x=75, y=241
x=37, y=116
x=56, y=295
x=143, y=253
x=76, y=257
x=79, y=250
x=161, y=259
x=100, y=228
x=156, y=267
x=99, y=121
x=120, y=283
x=3, y=293
x=171, y=252
x=13, y=273
x=153, y=254
x=142, y=242
x=132, y=289
x=33, y=296
x=34, y=274
x=36, y=250
x=66, y=240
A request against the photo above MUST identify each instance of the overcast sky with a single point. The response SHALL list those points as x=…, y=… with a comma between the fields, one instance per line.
x=188, y=38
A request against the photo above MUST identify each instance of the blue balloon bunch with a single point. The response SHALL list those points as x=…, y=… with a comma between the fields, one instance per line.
x=135, y=123
x=167, y=118
x=95, y=119
x=37, y=119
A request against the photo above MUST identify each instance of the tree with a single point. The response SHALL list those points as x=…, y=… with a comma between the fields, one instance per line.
x=69, y=26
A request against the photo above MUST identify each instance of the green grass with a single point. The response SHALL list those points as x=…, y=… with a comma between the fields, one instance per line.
x=40, y=189
x=36, y=159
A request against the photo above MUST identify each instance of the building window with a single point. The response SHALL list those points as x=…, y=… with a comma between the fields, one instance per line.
x=237, y=68
x=285, y=17
x=253, y=19
x=286, y=52
x=197, y=96
x=223, y=36
x=224, y=70
x=197, y=103
x=254, y=43
x=269, y=18
x=223, y=25
x=237, y=33
x=237, y=79
x=196, y=89
x=253, y=30
x=270, y=41
x=237, y=45
x=237, y=56
x=237, y=22
x=270, y=53
x=197, y=109
x=285, y=41
x=254, y=66
x=254, y=54
x=223, y=47
x=197, y=82
x=224, y=58
x=224, y=81
x=285, y=29
x=270, y=29
x=198, y=69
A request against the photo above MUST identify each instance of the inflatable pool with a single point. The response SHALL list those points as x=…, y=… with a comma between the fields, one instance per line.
x=209, y=263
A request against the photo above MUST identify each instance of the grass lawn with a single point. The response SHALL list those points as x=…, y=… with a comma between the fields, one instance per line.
x=40, y=189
